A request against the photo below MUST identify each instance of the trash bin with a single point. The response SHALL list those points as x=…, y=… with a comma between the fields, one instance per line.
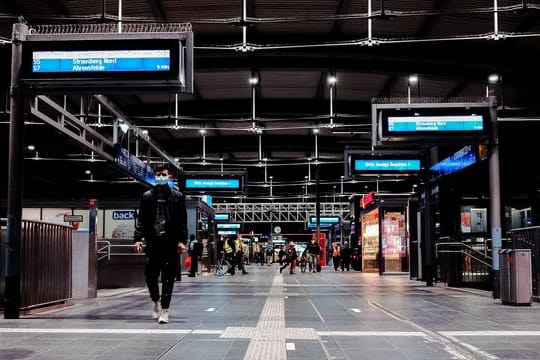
x=515, y=276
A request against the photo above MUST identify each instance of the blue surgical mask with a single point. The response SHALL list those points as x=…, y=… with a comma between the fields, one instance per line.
x=162, y=180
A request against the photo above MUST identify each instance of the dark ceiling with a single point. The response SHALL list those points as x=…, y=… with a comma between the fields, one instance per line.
x=292, y=47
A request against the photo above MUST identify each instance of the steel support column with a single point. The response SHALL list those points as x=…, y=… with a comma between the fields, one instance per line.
x=12, y=248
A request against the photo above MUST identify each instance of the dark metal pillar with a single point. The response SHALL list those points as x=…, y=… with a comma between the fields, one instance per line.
x=318, y=203
x=15, y=179
x=429, y=266
x=494, y=194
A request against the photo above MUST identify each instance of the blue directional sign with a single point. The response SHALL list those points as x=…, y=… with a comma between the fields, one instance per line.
x=325, y=219
x=385, y=165
x=447, y=123
x=221, y=217
x=227, y=232
x=228, y=226
x=457, y=161
x=81, y=61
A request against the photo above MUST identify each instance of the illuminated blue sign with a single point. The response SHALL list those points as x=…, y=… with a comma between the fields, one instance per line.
x=325, y=219
x=387, y=165
x=221, y=217
x=216, y=184
x=228, y=226
x=448, y=123
x=457, y=161
x=321, y=225
x=227, y=232
x=88, y=61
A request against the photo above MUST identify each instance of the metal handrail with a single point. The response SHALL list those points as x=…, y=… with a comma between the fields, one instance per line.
x=472, y=256
x=459, y=244
x=107, y=253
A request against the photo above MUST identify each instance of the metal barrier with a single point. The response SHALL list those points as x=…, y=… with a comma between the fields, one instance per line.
x=460, y=265
x=45, y=263
x=118, y=265
x=529, y=238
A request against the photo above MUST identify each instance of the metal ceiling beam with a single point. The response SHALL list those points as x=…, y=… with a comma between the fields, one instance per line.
x=431, y=21
x=342, y=8
x=113, y=109
x=157, y=9
x=71, y=126
x=58, y=7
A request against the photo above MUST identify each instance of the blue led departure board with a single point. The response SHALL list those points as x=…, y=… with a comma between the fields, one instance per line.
x=402, y=124
x=219, y=184
x=228, y=226
x=325, y=219
x=385, y=165
x=221, y=217
x=89, y=61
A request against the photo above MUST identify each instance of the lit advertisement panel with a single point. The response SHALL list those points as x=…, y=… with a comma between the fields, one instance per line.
x=456, y=162
x=76, y=61
x=386, y=165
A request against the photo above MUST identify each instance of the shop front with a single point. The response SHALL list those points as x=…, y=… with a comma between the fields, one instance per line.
x=385, y=240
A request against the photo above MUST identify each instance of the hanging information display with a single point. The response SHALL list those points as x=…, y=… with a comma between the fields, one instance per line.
x=108, y=62
x=430, y=122
x=77, y=61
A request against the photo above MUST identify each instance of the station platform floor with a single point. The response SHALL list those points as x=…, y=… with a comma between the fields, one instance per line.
x=268, y=315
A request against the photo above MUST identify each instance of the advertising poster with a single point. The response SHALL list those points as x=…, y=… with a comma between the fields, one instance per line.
x=120, y=223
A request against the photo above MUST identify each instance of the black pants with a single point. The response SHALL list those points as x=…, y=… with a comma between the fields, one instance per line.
x=239, y=260
x=164, y=264
x=345, y=263
x=335, y=260
x=194, y=265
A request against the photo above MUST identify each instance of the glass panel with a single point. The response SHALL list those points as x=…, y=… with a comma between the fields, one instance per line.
x=394, y=241
x=370, y=241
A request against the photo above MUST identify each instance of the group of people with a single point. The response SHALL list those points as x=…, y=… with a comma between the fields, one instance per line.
x=311, y=255
x=341, y=256
x=234, y=250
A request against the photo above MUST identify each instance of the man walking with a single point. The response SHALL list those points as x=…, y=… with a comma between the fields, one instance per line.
x=162, y=224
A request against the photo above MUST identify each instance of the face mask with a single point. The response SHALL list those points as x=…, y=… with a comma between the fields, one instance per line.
x=162, y=180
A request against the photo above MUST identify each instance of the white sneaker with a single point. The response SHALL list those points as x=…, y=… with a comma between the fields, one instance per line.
x=164, y=317
x=156, y=313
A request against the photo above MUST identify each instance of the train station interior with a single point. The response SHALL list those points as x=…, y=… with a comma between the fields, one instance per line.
x=399, y=137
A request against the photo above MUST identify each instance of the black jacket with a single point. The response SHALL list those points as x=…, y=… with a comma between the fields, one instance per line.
x=313, y=248
x=175, y=223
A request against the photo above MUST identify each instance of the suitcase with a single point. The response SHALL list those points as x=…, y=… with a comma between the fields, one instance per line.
x=318, y=267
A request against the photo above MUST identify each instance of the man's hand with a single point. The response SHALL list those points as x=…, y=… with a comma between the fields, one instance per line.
x=138, y=246
x=181, y=248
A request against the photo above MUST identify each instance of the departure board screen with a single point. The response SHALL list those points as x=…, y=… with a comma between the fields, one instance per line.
x=105, y=61
x=433, y=124
x=385, y=165
x=213, y=184
x=458, y=123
